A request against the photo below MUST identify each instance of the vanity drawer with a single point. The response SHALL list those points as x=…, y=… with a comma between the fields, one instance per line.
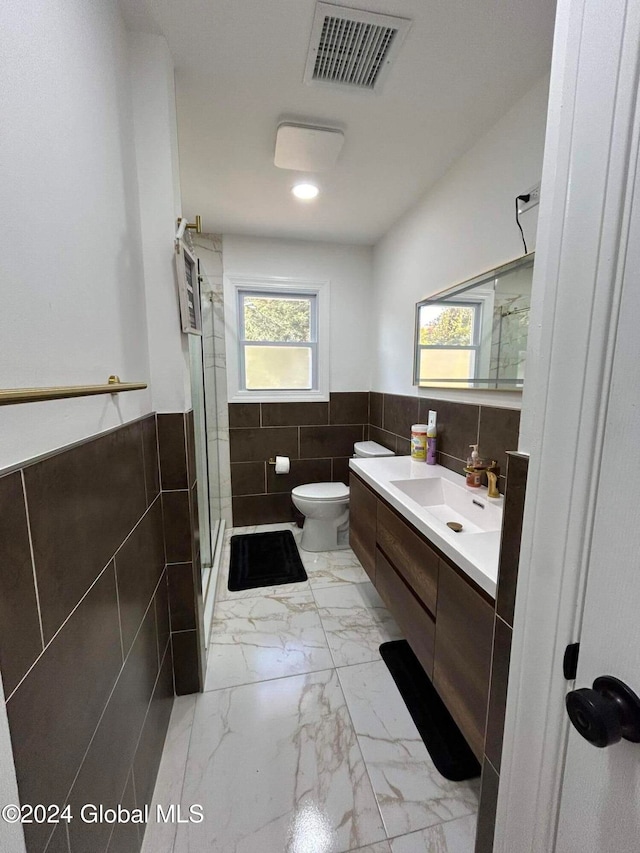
x=410, y=555
x=463, y=654
x=415, y=622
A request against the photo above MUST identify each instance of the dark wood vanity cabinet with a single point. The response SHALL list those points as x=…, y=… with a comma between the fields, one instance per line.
x=362, y=524
x=447, y=621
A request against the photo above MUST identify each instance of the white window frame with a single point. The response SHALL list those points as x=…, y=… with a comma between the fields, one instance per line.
x=234, y=285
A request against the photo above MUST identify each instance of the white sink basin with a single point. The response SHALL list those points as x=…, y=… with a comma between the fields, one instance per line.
x=447, y=502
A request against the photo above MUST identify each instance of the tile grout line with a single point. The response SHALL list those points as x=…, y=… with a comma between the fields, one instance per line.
x=115, y=575
x=33, y=558
x=366, y=766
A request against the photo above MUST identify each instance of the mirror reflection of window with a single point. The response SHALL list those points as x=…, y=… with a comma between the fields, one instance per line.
x=474, y=335
x=449, y=340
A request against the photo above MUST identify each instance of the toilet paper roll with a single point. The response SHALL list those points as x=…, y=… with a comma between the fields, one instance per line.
x=282, y=464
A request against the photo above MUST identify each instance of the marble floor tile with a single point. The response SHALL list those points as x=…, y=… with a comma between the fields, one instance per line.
x=355, y=621
x=328, y=568
x=255, y=639
x=159, y=837
x=380, y=847
x=277, y=767
x=411, y=793
x=456, y=836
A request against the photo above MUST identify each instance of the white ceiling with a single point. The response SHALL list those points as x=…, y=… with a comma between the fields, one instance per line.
x=239, y=69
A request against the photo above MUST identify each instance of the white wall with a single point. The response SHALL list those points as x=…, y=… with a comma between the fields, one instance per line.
x=349, y=270
x=156, y=143
x=463, y=226
x=71, y=278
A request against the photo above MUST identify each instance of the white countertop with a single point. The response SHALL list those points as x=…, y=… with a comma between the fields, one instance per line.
x=477, y=554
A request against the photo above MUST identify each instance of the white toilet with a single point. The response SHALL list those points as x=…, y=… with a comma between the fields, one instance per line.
x=325, y=507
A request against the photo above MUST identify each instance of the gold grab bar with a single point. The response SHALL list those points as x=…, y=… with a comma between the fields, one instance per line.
x=33, y=395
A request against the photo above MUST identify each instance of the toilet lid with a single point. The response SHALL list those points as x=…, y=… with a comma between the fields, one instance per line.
x=322, y=491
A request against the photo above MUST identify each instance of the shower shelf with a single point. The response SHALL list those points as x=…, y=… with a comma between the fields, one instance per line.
x=12, y=396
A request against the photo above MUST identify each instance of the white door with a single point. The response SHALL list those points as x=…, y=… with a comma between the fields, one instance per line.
x=600, y=797
x=579, y=576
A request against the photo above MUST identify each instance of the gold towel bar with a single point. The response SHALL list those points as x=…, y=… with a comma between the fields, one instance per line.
x=33, y=395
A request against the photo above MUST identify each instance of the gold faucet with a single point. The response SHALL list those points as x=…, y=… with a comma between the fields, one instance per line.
x=493, y=472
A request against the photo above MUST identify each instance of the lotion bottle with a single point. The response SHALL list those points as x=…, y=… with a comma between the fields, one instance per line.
x=432, y=438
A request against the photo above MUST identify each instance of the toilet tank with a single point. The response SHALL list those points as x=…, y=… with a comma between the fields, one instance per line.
x=365, y=449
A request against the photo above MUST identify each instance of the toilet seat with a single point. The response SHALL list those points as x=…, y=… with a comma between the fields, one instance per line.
x=322, y=492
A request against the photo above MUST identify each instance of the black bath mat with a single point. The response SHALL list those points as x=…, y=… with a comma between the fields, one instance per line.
x=448, y=749
x=264, y=559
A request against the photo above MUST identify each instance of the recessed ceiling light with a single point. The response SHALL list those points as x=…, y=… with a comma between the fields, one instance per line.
x=306, y=192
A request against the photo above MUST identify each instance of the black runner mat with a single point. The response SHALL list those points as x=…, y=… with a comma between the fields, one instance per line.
x=445, y=743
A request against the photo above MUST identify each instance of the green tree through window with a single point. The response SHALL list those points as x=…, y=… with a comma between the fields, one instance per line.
x=451, y=326
x=276, y=319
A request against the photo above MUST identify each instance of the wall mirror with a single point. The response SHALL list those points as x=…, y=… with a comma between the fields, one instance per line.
x=474, y=334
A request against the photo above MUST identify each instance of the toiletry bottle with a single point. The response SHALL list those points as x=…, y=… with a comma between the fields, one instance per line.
x=419, y=442
x=432, y=436
x=474, y=468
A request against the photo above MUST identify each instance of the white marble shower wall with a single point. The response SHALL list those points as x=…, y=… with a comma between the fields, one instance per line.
x=208, y=249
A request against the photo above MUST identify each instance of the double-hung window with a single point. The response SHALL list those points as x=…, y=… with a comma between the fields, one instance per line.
x=281, y=341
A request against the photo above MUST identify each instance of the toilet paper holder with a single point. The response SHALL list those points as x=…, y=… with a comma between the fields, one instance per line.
x=281, y=464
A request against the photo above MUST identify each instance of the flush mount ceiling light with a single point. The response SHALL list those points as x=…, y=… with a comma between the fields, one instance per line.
x=305, y=192
x=307, y=148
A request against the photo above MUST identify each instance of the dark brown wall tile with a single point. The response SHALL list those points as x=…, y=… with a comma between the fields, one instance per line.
x=104, y=770
x=517, y=470
x=261, y=509
x=150, y=454
x=321, y=442
x=163, y=627
x=248, y=478
x=451, y=463
x=126, y=836
x=149, y=752
x=351, y=407
x=257, y=445
x=457, y=426
x=173, y=451
x=191, y=448
x=403, y=446
x=244, y=415
x=386, y=439
x=185, y=663
x=177, y=526
x=195, y=521
x=294, y=414
x=82, y=504
x=487, y=810
x=498, y=692
x=340, y=470
x=499, y=431
x=400, y=413
x=376, y=406
x=302, y=471
x=53, y=714
x=59, y=842
x=139, y=564
x=20, y=641
x=181, y=597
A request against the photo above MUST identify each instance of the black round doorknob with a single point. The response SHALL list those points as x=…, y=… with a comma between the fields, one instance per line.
x=605, y=713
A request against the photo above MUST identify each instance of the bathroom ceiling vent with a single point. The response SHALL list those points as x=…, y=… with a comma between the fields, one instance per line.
x=353, y=49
